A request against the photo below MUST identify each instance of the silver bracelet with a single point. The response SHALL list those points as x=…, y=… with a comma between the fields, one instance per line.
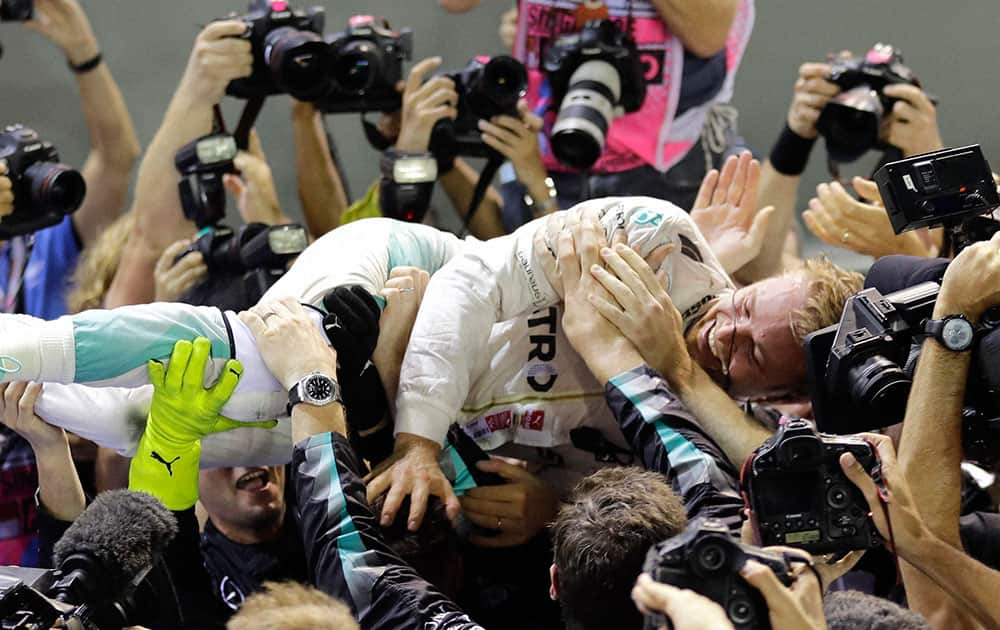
x=539, y=207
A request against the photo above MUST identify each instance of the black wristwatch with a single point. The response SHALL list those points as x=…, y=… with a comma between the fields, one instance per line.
x=316, y=389
x=954, y=332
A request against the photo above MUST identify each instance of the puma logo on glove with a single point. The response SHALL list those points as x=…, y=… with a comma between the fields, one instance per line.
x=169, y=464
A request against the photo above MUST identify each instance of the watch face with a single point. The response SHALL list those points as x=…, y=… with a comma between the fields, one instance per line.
x=319, y=388
x=957, y=334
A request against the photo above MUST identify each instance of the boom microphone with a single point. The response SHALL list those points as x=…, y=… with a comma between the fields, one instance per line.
x=110, y=548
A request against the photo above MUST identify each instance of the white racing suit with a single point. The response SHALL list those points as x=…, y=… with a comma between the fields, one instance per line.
x=479, y=353
x=487, y=348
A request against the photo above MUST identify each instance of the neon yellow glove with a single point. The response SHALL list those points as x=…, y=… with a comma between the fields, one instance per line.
x=181, y=413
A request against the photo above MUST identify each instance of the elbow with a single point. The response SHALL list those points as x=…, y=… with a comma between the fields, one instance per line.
x=707, y=45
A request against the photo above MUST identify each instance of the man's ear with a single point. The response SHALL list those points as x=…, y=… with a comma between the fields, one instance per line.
x=554, y=585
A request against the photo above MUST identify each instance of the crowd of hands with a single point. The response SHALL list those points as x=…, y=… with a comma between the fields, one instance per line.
x=615, y=305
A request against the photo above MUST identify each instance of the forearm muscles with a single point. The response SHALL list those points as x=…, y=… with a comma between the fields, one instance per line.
x=780, y=191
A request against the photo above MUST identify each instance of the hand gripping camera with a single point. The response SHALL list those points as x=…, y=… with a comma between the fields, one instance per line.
x=366, y=62
x=851, y=121
x=706, y=559
x=486, y=88
x=289, y=54
x=45, y=190
x=798, y=495
x=596, y=76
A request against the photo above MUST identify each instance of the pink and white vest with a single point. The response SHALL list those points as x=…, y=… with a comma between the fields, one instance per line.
x=651, y=135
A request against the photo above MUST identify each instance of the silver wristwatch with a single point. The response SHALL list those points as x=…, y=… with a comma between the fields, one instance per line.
x=316, y=389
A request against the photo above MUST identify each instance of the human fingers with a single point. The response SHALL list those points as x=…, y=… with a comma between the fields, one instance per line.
x=591, y=237
x=632, y=287
x=188, y=278
x=397, y=490
x=419, y=71
x=811, y=70
x=418, y=504
x=726, y=176
x=508, y=471
x=758, y=227
x=166, y=260
x=222, y=29
x=253, y=321
x=748, y=199
x=764, y=580
x=903, y=112
x=819, y=86
x=503, y=509
x=914, y=96
x=867, y=189
x=568, y=264
x=439, y=88
x=499, y=132
x=12, y=398
x=735, y=192
x=707, y=189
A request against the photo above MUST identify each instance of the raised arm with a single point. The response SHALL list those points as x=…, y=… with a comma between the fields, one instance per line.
x=320, y=186
x=218, y=57
x=702, y=25
x=114, y=145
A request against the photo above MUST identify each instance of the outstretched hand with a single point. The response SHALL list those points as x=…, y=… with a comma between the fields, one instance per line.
x=726, y=213
x=66, y=25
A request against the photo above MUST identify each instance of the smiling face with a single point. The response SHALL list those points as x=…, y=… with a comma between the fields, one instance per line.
x=245, y=504
x=745, y=341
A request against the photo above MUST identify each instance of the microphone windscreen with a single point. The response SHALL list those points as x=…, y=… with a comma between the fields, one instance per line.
x=125, y=531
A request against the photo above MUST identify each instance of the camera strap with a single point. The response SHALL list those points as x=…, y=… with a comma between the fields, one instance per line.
x=247, y=119
x=884, y=498
x=18, y=253
x=489, y=171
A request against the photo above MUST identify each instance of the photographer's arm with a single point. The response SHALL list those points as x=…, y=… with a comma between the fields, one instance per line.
x=114, y=145
x=702, y=25
x=321, y=189
x=217, y=58
x=932, y=428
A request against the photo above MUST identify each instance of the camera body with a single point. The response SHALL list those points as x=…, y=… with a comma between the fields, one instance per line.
x=366, y=62
x=45, y=190
x=487, y=87
x=850, y=122
x=17, y=10
x=596, y=75
x=259, y=253
x=706, y=559
x=289, y=54
x=799, y=496
x=202, y=164
x=951, y=187
x=860, y=371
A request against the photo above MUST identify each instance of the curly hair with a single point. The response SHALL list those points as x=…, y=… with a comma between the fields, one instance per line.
x=98, y=265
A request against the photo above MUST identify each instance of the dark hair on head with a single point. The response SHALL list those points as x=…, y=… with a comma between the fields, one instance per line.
x=601, y=536
x=429, y=548
x=853, y=610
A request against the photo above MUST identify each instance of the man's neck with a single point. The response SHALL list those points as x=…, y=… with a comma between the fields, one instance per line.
x=248, y=535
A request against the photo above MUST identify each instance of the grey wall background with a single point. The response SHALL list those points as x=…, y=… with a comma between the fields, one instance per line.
x=951, y=46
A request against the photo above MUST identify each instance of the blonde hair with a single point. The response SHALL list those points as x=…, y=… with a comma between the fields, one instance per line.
x=291, y=606
x=98, y=265
x=829, y=286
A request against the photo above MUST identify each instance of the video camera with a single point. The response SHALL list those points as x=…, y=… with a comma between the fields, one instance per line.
x=104, y=579
x=851, y=121
x=45, y=190
x=289, y=54
x=798, y=495
x=366, y=62
x=596, y=76
x=953, y=188
x=706, y=559
x=486, y=88
x=860, y=371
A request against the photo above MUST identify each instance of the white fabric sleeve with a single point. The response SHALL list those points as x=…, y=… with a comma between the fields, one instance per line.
x=490, y=282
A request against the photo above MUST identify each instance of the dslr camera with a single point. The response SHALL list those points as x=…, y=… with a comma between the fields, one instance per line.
x=953, y=188
x=17, y=10
x=850, y=122
x=596, y=76
x=45, y=190
x=289, y=54
x=798, y=495
x=486, y=88
x=706, y=559
x=366, y=62
x=202, y=165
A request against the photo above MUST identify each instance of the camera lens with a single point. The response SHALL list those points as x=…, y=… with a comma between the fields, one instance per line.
x=850, y=123
x=586, y=113
x=740, y=611
x=710, y=557
x=503, y=82
x=357, y=66
x=881, y=387
x=298, y=61
x=55, y=187
x=838, y=497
